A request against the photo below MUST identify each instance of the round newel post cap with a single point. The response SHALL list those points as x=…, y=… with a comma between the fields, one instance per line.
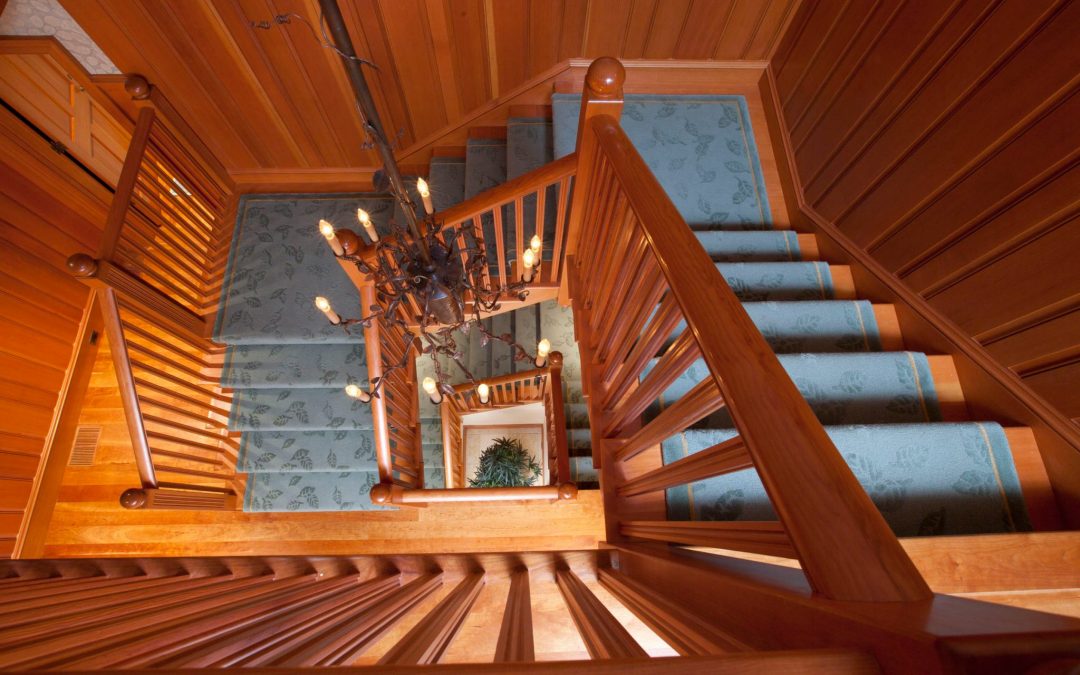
x=381, y=494
x=133, y=498
x=555, y=359
x=605, y=76
x=82, y=265
x=568, y=491
x=350, y=241
x=137, y=86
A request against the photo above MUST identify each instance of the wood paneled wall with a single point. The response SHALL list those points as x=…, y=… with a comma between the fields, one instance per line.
x=942, y=137
x=49, y=209
x=275, y=99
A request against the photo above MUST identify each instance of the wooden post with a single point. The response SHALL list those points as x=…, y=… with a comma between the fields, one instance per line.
x=349, y=634
x=516, y=634
x=604, y=636
x=602, y=94
x=373, y=349
x=447, y=412
x=428, y=640
x=558, y=417
x=114, y=224
x=685, y=632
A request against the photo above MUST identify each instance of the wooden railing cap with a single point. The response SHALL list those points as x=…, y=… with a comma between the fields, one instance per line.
x=137, y=86
x=605, y=78
x=133, y=498
x=82, y=265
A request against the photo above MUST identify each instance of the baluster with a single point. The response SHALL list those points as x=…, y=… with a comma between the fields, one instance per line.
x=516, y=635
x=428, y=640
x=604, y=636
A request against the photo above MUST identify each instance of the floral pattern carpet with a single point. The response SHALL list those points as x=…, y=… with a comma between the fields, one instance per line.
x=306, y=447
x=881, y=409
x=304, y=444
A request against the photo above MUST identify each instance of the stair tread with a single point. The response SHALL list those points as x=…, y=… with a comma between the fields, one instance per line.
x=700, y=147
x=750, y=245
x=943, y=478
x=762, y=281
x=278, y=264
x=852, y=388
x=528, y=145
x=294, y=365
x=813, y=326
x=307, y=409
x=446, y=177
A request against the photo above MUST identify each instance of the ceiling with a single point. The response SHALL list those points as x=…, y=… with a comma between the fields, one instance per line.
x=277, y=99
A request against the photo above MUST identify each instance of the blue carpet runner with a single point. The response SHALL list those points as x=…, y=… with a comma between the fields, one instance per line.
x=304, y=444
x=880, y=408
x=306, y=447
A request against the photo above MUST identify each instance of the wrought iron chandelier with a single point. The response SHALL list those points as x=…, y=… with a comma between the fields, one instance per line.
x=429, y=280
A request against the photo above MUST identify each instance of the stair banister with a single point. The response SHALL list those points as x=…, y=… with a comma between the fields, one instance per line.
x=157, y=272
x=622, y=215
x=373, y=352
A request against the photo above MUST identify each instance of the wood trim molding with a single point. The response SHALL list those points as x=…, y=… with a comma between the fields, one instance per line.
x=991, y=389
x=30, y=542
x=48, y=44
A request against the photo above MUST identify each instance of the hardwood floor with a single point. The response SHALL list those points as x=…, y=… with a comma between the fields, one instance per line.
x=88, y=520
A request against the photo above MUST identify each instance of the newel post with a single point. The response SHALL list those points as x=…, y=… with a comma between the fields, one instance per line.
x=558, y=417
x=602, y=94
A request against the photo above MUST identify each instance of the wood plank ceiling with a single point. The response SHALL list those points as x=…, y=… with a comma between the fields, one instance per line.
x=275, y=99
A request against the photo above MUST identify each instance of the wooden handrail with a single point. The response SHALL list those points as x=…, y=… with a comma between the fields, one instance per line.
x=129, y=398
x=387, y=494
x=520, y=376
x=821, y=504
x=507, y=192
x=155, y=270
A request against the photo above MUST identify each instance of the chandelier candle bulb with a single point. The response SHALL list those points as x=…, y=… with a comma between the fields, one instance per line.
x=543, y=348
x=432, y=389
x=484, y=392
x=327, y=231
x=425, y=194
x=369, y=226
x=535, y=244
x=324, y=306
x=356, y=392
x=528, y=259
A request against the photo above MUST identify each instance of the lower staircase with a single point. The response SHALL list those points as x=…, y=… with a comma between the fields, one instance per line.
x=304, y=444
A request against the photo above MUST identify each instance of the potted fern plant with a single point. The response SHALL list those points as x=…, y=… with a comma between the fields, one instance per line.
x=505, y=463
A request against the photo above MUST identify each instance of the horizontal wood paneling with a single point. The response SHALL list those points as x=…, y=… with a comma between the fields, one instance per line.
x=942, y=138
x=49, y=209
x=276, y=99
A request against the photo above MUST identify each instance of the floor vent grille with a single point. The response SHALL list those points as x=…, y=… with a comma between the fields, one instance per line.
x=86, y=444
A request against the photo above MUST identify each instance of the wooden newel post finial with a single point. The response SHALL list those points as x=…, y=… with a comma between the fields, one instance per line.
x=134, y=498
x=555, y=360
x=604, y=79
x=137, y=87
x=382, y=494
x=82, y=265
x=567, y=491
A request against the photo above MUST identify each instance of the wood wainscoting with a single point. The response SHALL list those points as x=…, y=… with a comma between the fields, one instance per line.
x=941, y=137
x=49, y=208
